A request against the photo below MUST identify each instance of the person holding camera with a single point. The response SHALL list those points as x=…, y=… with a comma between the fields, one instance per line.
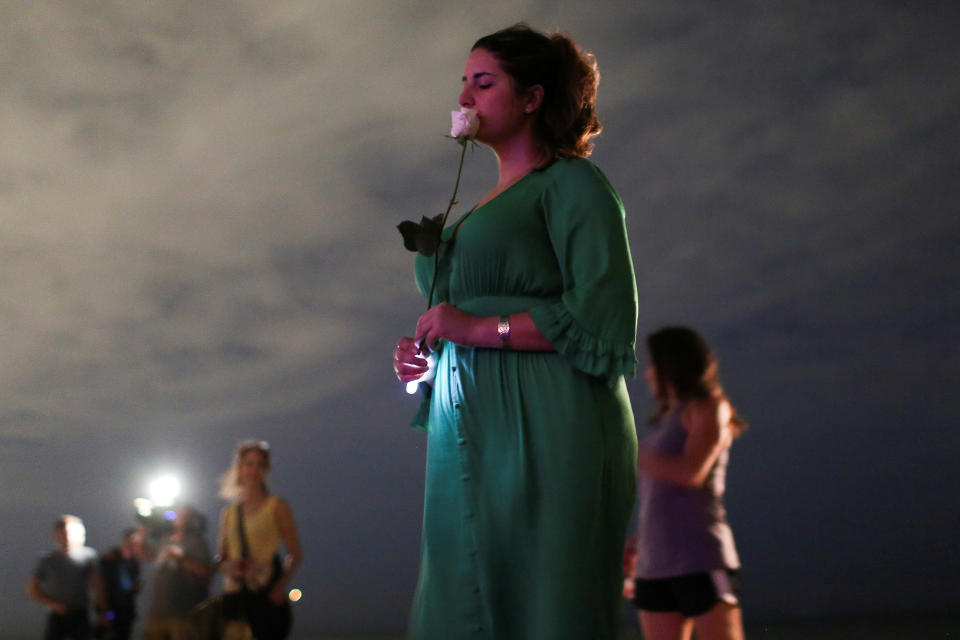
x=181, y=579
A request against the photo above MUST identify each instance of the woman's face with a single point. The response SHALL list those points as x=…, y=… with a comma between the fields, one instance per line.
x=490, y=90
x=252, y=469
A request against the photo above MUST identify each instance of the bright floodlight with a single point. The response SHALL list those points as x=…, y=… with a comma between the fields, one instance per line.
x=164, y=490
x=412, y=386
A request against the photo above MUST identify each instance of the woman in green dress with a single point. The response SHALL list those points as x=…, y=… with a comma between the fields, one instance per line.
x=531, y=446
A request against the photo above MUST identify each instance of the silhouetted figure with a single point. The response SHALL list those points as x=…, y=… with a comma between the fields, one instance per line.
x=120, y=572
x=181, y=578
x=64, y=579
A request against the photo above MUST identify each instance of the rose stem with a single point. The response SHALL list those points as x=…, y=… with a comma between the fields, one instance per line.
x=453, y=201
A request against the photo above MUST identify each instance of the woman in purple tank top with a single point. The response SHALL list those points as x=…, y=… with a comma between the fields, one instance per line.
x=682, y=573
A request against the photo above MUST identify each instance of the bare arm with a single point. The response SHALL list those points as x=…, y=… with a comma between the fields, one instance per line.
x=450, y=323
x=708, y=434
x=35, y=592
x=283, y=516
x=288, y=532
x=459, y=327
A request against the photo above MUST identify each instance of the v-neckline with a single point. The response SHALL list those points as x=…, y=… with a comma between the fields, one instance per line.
x=477, y=207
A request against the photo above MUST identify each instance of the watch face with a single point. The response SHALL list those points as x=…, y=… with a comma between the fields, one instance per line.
x=503, y=329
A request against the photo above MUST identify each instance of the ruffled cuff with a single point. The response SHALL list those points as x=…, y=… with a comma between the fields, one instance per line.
x=586, y=352
x=420, y=419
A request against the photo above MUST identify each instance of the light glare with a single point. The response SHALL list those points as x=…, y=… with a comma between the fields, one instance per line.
x=412, y=387
x=295, y=595
x=164, y=491
x=144, y=506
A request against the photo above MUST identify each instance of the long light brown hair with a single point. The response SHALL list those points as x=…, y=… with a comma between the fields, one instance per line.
x=230, y=487
x=681, y=358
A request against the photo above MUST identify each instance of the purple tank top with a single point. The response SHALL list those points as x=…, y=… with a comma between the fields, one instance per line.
x=681, y=529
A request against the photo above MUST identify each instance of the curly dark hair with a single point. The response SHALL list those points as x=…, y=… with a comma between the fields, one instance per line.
x=567, y=119
x=681, y=357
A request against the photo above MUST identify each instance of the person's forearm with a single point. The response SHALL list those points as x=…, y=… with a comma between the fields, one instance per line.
x=669, y=469
x=33, y=590
x=524, y=334
x=197, y=567
x=291, y=565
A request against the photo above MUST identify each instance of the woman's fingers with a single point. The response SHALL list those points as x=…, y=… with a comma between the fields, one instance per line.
x=430, y=328
x=403, y=369
x=411, y=356
x=407, y=362
x=444, y=322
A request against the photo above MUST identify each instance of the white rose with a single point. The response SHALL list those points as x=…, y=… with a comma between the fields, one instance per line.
x=464, y=123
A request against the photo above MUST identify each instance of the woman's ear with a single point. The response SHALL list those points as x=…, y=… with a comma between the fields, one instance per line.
x=534, y=98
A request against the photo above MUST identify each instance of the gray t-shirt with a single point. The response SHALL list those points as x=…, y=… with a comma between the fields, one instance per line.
x=175, y=589
x=65, y=577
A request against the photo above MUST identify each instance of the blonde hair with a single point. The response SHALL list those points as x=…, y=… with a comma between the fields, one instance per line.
x=230, y=487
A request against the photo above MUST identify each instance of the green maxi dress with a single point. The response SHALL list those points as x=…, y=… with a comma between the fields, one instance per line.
x=531, y=456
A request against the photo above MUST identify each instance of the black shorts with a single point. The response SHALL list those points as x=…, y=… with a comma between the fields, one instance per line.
x=692, y=594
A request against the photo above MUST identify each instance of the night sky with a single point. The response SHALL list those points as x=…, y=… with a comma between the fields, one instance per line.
x=199, y=201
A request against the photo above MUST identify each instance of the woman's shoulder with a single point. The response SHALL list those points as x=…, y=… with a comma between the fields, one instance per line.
x=710, y=414
x=576, y=168
x=580, y=177
x=277, y=504
x=699, y=410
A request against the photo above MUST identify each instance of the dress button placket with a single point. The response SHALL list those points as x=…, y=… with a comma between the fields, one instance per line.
x=468, y=513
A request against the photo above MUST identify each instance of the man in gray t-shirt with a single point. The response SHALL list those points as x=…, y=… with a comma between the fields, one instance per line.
x=63, y=579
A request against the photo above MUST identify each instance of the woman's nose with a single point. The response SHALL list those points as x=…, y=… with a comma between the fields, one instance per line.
x=465, y=99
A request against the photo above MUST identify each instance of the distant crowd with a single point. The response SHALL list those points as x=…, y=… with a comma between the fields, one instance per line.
x=253, y=604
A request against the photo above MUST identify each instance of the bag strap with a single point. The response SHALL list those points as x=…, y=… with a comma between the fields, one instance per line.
x=244, y=545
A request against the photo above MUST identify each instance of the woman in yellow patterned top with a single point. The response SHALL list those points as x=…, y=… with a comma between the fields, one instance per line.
x=267, y=522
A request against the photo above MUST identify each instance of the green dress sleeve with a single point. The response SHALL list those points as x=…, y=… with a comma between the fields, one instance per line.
x=594, y=323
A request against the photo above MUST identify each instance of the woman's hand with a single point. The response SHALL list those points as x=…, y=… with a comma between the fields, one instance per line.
x=448, y=322
x=408, y=364
x=234, y=568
